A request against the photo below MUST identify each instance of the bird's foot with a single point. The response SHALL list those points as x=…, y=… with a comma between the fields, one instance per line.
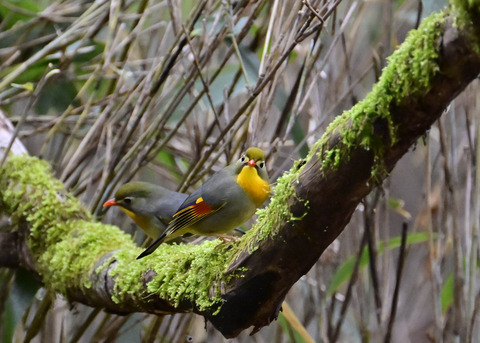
x=226, y=239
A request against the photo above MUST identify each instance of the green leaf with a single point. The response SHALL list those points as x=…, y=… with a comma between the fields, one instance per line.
x=398, y=206
x=446, y=295
x=17, y=11
x=293, y=335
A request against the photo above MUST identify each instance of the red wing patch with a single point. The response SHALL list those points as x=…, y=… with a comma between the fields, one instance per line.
x=200, y=208
x=189, y=215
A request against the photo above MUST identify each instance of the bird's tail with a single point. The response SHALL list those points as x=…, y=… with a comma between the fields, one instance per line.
x=153, y=246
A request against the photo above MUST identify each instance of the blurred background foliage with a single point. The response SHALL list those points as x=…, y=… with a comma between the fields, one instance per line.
x=170, y=91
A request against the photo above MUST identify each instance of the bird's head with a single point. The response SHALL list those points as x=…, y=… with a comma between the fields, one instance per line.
x=131, y=197
x=252, y=175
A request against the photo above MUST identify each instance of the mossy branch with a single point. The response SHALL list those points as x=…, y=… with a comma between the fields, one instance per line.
x=244, y=284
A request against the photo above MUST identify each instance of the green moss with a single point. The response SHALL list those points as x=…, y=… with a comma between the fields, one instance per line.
x=468, y=19
x=181, y=273
x=408, y=74
x=71, y=261
x=62, y=240
x=28, y=186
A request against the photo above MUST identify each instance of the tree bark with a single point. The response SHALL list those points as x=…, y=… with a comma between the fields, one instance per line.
x=325, y=196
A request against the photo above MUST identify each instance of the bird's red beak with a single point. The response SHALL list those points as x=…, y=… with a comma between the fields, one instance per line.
x=109, y=203
x=251, y=163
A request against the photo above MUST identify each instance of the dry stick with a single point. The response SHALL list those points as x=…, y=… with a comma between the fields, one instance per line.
x=295, y=323
x=348, y=295
x=107, y=157
x=268, y=38
x=469, y=226
x=121, y=165
x=152, y=329
x=235, y=80
x=113, y=326
x=101, y=327
x=289, y=103
x=315, y=130
x=206, y=87
x=181, y=329
x=329, y=51
x=224, y=106
x=123, y=160
x=231, y=28
x=81, y=330
x=475, y=224
x=433, y=263
x=348, y=67
x=91, y=32
x=330, y=314
x=67, y=161
x=126, y=48
x=81, y=152
x=153, y=149
x=370, y=213
x=239, y=124
x=474, y=318
x=18, y=27
x=458, y=298
x=70, y=36
x=314, y=11
x=261, y=83
x=157, y=126
x=170, y=61
x=195, y=169
x=401, y=262
x=33, y=99
x=39, y=317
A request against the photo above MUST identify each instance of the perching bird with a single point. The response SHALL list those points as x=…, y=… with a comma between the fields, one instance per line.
x=226, y=200
x=150, y=206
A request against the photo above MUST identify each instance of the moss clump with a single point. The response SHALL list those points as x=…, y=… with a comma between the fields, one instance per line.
x=408, y=74
x=71, y=261
x=62, y=240
x=467, y=18
x=181, y=273
x=30, y=193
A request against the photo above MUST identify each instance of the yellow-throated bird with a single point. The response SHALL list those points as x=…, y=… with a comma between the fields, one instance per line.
x=226, y=200
x=150, y=206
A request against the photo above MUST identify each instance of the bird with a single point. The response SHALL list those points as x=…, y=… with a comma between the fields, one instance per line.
x=225, y=201
x=150, y=206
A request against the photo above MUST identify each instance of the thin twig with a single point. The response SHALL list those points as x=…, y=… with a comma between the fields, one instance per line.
x=348, y=295
x=396, y=291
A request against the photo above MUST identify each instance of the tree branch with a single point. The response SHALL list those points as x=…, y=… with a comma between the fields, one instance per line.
x=95, y=264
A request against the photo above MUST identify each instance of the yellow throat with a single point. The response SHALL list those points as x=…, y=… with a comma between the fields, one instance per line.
x=142, y=221
x=257, y=188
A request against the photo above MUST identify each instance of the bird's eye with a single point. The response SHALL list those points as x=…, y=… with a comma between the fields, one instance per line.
x=261, y=164
x=243, y=158
x=127, y=200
